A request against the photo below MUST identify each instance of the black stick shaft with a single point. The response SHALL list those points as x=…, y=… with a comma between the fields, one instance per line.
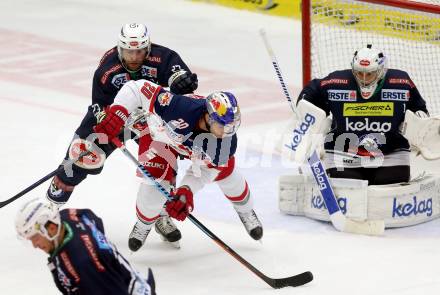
x=44, y=179
x=29, y=188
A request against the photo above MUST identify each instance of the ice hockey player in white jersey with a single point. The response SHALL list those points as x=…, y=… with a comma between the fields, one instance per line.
x=197, y=128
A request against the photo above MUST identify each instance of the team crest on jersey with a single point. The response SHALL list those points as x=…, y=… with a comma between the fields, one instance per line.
x=164, y=99
x=95, y=159
x=341, y=95
x=120, y=79
x=149, y=72
x=395, y=94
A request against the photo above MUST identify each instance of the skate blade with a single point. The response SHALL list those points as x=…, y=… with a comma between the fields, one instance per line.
x=175, y=244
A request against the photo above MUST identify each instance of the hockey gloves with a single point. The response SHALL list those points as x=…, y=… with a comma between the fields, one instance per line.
x=183, y=82
x=182, y=204
x=113, y=122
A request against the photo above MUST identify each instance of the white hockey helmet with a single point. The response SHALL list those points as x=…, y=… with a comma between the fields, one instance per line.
x=33, y=217
x=369, y=67
x=134, y=36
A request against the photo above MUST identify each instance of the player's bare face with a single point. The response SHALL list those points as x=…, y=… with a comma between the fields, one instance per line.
x=134, y=58
x=366, y=78
x=38, y=241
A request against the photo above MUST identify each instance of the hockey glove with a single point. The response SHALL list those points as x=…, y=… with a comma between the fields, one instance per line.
x=182, y=204
x=112, y=123
x=183, y=82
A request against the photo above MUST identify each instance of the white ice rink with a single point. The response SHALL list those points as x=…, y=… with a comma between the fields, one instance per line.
x=49, y=50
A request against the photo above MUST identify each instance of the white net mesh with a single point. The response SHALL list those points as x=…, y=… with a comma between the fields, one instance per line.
x=410, y=39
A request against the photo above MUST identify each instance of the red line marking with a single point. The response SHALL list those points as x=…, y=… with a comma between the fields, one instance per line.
x=68, y=67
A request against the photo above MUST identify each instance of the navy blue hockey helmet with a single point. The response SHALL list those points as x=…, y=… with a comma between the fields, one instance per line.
x=223, y=109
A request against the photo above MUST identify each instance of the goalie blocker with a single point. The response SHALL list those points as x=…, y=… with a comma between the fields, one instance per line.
x=401, y=204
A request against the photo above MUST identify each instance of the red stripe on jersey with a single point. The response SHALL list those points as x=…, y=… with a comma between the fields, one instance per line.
x=145, y=218
x=241, y=197
x=153, y=99
x=111, y=70
x=68, y=264
x=226, y=170
x=92, y=252
x=106, y=55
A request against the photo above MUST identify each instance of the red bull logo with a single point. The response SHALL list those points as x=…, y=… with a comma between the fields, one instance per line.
x=134, y=43
x=219, y=107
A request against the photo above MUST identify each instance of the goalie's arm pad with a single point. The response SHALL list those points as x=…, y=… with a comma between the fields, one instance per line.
x=423, y=133
x=312, y=123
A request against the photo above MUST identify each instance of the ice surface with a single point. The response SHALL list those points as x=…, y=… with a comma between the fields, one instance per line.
x=48, y=54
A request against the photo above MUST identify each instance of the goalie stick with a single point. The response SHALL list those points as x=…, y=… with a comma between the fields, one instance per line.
x=338, y=219
x=293, y=281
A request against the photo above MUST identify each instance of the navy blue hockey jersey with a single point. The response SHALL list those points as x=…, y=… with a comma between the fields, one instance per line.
x=377, y=118
x=110, y=75
x=85, y=262
x=180, y=114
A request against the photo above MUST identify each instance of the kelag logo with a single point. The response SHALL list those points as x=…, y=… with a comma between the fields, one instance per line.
x=317, y=202
x=299, y=132
x=413, y=208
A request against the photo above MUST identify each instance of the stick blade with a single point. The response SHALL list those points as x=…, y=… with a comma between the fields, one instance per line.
x=369, y=227
x=293, y=281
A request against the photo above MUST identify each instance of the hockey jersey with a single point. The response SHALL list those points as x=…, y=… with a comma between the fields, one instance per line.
x=375, y=121
x=110, y=75
x=173, y=119
x=86, y=263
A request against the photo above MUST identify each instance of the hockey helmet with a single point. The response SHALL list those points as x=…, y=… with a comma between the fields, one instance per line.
x=369, y=67
x=33, y=217
x=223, y=109
x=134, y=36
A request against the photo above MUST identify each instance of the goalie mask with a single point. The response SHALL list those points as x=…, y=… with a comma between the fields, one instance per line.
x=368, y=66
x=134, y=46
x=33, y=217
x=223, y=109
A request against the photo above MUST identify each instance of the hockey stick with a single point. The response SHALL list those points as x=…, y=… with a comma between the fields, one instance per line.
x=42, y=180
x=338, y=219
x=292, y=281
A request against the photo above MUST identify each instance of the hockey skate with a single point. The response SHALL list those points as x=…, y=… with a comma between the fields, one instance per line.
x=138, y=235
x=168, y=231
x=252, y=224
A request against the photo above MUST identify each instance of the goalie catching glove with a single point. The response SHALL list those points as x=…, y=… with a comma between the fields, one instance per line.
x=113, y=121
x=423, y=133
x=182, y=204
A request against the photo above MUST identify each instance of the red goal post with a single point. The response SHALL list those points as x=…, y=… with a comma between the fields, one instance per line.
x=408, y=32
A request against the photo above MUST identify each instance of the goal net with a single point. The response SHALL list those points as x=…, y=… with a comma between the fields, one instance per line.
x=407, y=32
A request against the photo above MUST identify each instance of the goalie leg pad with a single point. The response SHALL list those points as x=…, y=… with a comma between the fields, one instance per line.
x=299, y=195
x=405, y=204
x=401, y=204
